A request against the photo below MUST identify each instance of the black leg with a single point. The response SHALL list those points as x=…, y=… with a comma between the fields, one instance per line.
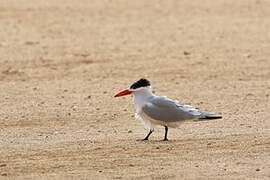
x=166, y=132
x=146, y=138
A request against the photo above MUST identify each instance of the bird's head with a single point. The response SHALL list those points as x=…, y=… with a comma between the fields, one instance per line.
x=141, y=86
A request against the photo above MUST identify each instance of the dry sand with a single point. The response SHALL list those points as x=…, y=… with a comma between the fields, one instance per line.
x=62, y=61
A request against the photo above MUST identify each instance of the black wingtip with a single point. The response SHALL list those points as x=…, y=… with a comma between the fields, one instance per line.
x=211, y=117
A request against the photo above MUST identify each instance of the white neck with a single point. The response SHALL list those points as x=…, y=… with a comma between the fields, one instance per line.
x=140, y=96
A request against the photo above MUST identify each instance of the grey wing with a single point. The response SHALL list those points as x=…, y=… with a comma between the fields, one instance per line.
x=164, y=109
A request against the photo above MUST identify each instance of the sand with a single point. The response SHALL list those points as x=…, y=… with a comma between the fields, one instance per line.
x=61, y=62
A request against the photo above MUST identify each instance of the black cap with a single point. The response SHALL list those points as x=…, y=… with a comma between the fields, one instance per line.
x=141, y=83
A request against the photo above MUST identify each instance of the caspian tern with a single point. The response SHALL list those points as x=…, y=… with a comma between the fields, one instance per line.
x=159, y=110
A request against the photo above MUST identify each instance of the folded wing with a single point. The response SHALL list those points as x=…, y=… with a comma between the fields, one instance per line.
x=167, y=110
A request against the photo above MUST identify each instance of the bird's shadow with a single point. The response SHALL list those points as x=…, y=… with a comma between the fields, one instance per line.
x=157, y=141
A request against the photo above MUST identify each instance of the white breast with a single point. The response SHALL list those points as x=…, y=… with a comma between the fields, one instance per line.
x=140, y=99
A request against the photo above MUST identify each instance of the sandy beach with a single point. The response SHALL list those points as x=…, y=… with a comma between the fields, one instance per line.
x=61, y=63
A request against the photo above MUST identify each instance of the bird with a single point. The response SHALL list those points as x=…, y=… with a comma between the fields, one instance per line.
x=154, y=110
